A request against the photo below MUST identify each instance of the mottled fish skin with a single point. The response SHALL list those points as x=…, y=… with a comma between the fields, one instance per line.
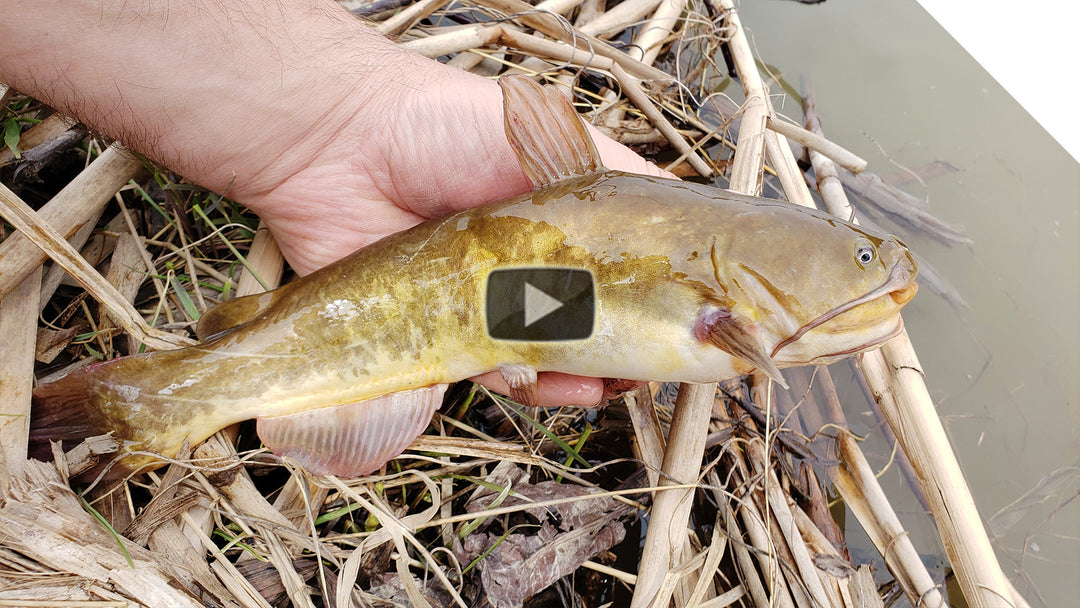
x=408, y=312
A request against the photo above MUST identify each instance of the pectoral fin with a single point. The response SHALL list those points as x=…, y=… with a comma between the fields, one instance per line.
x=353, y=439
x=232, y=313
x=551, y=141
x=736, y=337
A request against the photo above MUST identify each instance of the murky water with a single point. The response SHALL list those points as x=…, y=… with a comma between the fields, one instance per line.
x=1006, y=374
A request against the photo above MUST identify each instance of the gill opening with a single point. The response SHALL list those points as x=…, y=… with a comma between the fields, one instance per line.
x=713, y=256
x=899, y=277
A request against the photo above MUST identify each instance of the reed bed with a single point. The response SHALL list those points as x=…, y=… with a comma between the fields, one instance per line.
x=496, y=504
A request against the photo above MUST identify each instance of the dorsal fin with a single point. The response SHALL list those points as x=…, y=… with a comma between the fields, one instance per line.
x=232, y=313
x=352, y=439
x=549, y=137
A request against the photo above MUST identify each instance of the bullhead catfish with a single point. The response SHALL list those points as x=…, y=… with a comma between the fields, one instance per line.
x=344, y=367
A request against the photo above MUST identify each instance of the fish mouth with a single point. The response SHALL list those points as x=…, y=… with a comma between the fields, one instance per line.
x=868, y=345
x=898, y=285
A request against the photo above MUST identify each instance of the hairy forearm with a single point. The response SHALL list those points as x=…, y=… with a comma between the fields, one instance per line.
x=207, y=88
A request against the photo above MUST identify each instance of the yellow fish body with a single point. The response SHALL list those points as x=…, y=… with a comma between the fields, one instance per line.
x=345, y=366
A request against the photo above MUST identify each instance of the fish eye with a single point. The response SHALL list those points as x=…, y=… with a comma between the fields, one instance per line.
x=865, y=252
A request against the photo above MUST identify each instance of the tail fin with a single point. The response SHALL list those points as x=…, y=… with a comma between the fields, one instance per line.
x=59, y=414
x=64, y=411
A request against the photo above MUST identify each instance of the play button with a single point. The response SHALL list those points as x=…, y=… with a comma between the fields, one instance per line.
x=540, y=304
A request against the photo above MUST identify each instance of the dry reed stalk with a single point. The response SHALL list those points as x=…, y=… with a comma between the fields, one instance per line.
x=747, y=167
x=858, y=485
x=716, y=549
x=757, y=114
x=465, y=39
x=757, y=534
x=777, y=502
x=44, y=236
x=560, y=30
x=588, y=12
x=648, y=435
x=896, y=377
x=897, y=382
x=622, y=16
x=855, y=481
x=84, y=197
x=670, y=512
x=406, y=18
x=745, y=562
x=43, y=516
x=18, y=326
x=55, y=275
x=656, y=31
x=822, y=548
x=53, y=126
x=814, y=141
x=631, y=86
x=265, y=265
x=126, y=258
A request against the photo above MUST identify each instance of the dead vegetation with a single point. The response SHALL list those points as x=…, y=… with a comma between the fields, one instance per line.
x=496, y=505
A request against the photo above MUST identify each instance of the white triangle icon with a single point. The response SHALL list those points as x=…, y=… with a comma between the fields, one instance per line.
x=538, y=304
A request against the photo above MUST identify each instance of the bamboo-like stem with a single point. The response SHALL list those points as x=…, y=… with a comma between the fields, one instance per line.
x=746, y=568
x=18, y=326
x=671, y=508
x=754, y=523
x=648, y=435
x=814, y=141
x=407, y=17
x=27, y=221
x=549, y=25
x=657, y=29
x=81, y=199
x=632, y=87
x=454, y=40
x=778, y=505
x=756, y=115
x=620, y=17
x=856, y=483
x=55, y=275
x=264, y=261
x=896, y=379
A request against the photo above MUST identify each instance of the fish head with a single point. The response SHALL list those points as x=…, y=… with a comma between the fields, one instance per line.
x=808, y=287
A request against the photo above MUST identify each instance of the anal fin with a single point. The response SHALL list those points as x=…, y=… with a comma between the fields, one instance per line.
x=352, y=439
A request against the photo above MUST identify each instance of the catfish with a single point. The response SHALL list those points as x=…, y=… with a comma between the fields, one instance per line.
x=344, y=367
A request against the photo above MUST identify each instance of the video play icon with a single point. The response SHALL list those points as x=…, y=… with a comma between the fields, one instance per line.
x=540, y=304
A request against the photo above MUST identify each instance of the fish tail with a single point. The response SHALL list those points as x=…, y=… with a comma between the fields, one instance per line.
x=82, y=405
x=60, y=414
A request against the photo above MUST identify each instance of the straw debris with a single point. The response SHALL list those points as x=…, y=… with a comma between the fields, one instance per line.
x=496, y=504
